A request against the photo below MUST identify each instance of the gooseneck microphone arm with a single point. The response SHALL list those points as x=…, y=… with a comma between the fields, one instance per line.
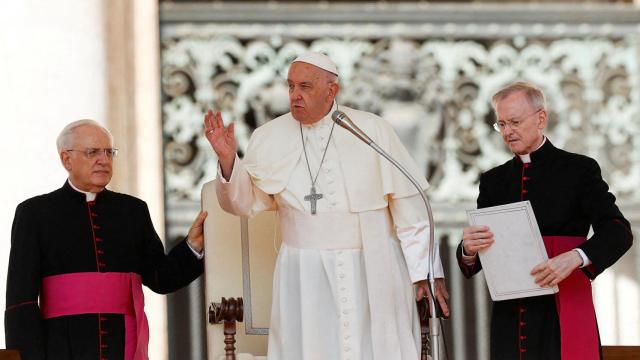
x=343, y=120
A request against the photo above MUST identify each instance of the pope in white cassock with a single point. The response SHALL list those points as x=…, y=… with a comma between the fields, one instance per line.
x=354, y=230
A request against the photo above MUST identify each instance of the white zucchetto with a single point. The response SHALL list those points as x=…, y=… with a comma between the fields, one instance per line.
x=319, y=60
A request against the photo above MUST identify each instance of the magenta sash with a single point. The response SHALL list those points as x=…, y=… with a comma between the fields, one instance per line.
x=574, y=302
x=94, y=292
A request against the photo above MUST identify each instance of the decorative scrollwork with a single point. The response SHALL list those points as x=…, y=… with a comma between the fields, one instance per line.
x=434, y=91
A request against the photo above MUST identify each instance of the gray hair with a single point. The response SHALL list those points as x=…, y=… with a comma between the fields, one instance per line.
x=332, y=78
x=534, y=95
x=65, y=139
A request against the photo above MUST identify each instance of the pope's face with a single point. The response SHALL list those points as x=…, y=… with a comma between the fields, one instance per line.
x=88, y=173
x=311, y=92
x=522, y=132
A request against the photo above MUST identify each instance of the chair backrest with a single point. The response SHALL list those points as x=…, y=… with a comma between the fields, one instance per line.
x=225, y=274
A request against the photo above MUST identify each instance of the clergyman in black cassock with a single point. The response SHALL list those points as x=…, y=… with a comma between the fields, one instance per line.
x=568, y=196
x=79, y=233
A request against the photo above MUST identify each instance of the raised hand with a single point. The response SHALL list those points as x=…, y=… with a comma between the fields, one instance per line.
x=222, y=140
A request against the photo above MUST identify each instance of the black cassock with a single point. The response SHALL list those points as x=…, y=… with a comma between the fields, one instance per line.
x=568, y=195
x=61, y=233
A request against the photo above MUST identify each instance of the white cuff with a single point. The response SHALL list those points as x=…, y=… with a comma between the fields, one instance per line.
x=199, y=255
x=414, y=241
x=468, y=260
x=219, y=171
x=585, y=259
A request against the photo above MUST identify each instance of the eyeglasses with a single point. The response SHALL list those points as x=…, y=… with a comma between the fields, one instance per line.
x=513, y=124
x=91, y=153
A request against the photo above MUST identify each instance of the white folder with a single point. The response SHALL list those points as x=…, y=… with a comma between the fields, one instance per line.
x=517, y=249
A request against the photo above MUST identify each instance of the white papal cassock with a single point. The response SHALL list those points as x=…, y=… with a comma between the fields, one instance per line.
x=342, y=284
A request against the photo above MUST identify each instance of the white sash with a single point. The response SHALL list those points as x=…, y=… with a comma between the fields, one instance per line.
x=322, y=231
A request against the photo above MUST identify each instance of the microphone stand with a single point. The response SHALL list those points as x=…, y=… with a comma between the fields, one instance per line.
x=343, y=120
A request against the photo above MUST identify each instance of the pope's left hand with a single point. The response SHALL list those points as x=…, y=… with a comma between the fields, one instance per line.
x=442, y=295
x=195, y=237
x=556, y=269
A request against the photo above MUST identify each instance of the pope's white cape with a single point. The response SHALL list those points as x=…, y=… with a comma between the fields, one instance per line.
x=272, y=155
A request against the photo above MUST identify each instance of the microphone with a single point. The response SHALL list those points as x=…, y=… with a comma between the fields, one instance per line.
x=343, y=120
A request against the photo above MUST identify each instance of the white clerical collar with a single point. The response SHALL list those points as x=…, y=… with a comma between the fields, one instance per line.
x=90, y=196
x=526, y=158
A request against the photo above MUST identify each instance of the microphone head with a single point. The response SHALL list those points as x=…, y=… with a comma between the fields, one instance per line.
x=338, y=116
x=343, y=120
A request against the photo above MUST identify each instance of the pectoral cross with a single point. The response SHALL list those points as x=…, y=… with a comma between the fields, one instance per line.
x=313, y=198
